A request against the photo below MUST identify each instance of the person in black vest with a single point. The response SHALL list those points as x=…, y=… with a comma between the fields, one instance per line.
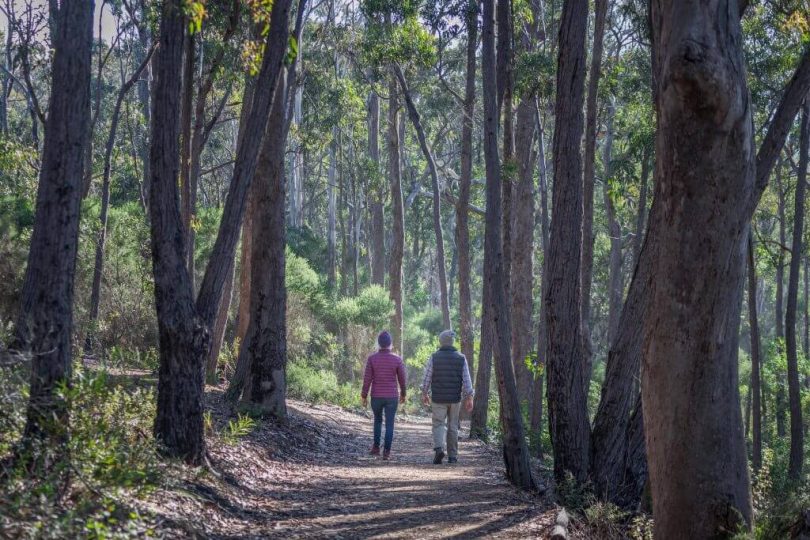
x=447, y=381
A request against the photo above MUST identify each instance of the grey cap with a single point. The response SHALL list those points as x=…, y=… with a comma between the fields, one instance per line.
x=446, y=338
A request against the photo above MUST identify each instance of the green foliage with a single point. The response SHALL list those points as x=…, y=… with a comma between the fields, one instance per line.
x=238, y=429
x=320, y=386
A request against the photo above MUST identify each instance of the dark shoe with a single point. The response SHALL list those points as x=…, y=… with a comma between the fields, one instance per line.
x=438, y=457
x=375, y=450
x=452, y=459
x=386, y=455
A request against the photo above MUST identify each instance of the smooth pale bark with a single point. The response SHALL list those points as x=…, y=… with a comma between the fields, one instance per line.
x=791, y=347
x=756, y=358
x=434, y=180
x=222, y=254
x=397, y=214
x=690, y=331
x=515, y=450
x=184, y=337
x=376, y=194
x=462, y=233
x=615, y=280
x=54, y=242
x=567, y=360
x=589, y=177
x=522, y=244
x=266, y=342
x=98, y=268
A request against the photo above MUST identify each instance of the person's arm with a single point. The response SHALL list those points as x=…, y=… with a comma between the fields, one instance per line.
x=466, y=382
x=401, y=377
x=368, y=376
x=426, y=380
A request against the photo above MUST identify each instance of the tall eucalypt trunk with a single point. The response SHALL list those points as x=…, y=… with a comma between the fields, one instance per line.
x=52, y=255
x=266, y=341
x=413, y=114
x=465, y=180
x=515, y=450
x=756, y=359
x=567, y=362
x=397, y=214
x=794, y=389
x=690, y=332
x=184, y=336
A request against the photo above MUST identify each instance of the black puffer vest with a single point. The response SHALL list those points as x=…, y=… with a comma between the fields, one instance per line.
x=448, y=368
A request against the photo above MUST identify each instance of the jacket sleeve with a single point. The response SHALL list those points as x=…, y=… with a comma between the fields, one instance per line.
x=401, y=377
x=466, y=381
x=368, y=376
x=428, y=376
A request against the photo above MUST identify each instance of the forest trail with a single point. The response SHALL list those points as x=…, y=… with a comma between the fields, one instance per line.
x=313, y=478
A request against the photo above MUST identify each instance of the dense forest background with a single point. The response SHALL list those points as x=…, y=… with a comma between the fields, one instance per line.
x=264, y=186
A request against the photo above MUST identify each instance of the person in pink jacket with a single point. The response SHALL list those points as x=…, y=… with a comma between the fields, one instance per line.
x=384, y=370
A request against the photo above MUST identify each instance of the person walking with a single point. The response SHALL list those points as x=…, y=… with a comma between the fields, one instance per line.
x=384, y=370
x=446, y=383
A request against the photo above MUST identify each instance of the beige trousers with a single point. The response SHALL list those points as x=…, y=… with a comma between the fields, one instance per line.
x=445, y=427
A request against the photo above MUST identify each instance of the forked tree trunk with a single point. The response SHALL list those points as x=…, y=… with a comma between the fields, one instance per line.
x=791, y=345
x=589, y=178
x=184, y=337
x=266, y=344
x=756, y=362
x=704, y=112
x=222, y=254
x=522, y=286
x=434, y=180
x=397, y=214
x=566, y=357
x=464, y=183
x=186, y=119
x=515, y=450
x=54, y=242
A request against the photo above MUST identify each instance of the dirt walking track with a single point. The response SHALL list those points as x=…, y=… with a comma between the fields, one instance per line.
x=313, y=478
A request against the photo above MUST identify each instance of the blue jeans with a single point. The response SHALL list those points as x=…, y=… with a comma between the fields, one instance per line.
x=389, y=405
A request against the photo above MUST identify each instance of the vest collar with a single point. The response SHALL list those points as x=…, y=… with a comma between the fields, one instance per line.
x=450, y=348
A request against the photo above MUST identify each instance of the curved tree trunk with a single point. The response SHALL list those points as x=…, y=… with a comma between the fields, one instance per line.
x=794, y=388
x=397, y=214
x=695, y=426
x=54, y=242
x=434, y=180
x=567, y=360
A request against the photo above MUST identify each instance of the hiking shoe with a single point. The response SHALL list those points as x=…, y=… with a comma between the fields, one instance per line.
x=386, y=455
x=438, y=457
x=375, y=450
x=452, y=459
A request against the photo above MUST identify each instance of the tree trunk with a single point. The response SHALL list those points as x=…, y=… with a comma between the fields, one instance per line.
x=218, y=332
x=184, y=337
x=590, y=176
x=695, y=426
x=522, y=286
x=397, y=214
x=794, y=388
x=567, y=360
x=780, y=295
x=756, y=362
x=98, y=269
x=331, y=205
x=615, y=280
x=216, y=273
x=464, y=183
x=376, y=194
x=434, y=179
x=267, y=342
x=515, y=450
x=186, y=119
x=54, y=242
x=642, y=205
